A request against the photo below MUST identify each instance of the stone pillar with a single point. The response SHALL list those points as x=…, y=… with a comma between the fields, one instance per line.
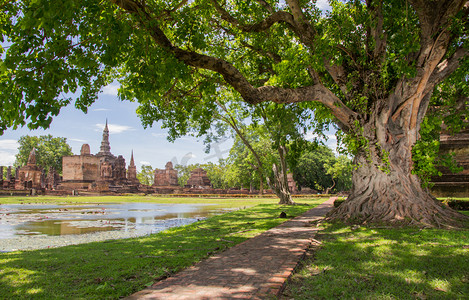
x=43, y=179
x=9, y=173
x=1, y=178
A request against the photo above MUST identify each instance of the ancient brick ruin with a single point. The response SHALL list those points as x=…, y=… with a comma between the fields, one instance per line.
x=167, y=177
x=132, y=171
x=30, y=176
x=449, y=184
x=198, y=179
x=101, y=172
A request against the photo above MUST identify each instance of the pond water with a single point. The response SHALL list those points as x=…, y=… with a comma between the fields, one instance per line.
x=56, y=220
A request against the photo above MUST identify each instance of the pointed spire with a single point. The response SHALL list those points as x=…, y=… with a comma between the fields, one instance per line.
x=32, y=157
x=105, y=149
x=132, y=170
x=132, y=163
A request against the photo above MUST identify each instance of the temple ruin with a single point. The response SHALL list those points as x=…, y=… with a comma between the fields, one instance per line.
x=198, y=179
x=100, y=172
x=167, y=177
x=30, y=176
x=449, y=184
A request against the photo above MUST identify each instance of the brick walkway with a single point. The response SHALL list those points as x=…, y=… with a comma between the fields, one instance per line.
x=254, y=269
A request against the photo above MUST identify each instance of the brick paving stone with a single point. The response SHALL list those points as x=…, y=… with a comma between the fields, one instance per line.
x=254, y=269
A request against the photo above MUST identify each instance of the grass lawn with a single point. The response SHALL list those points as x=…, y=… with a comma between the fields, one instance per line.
x=365, y=263
x=113, y=269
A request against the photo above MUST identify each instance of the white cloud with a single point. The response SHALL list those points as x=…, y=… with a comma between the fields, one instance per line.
x=111, y=89
x=78, y=140
x=7, y=158
x=101, y=109
x=9, y=144
x=114, y=128
x=8, y=150
x=146, y=163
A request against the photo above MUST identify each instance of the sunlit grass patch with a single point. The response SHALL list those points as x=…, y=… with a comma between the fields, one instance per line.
x=364, y=263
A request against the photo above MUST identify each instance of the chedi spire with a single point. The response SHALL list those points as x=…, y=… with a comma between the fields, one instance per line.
x=105, y=149
x=32, y=157
x=132, y=163
x=132, y=171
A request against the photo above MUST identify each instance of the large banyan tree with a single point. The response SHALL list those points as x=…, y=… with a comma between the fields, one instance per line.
x=374, y=65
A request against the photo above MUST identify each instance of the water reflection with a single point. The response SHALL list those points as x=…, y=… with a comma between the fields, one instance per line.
x=32, y=219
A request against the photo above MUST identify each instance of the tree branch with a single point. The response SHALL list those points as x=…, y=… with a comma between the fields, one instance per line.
x=448, y=66
x=167, y=13
x=233, y=77
x=304, y=29
x=276, y=17
x=274, y=56
x=377, y=31
x=266, y=5
x=338, y=74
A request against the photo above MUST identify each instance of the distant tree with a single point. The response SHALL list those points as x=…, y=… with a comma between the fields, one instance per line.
x=146, y=175
x=286, y=126
x=216, y=173
x=184, y=172
x=340, y=171
x=244, y=161
x=234, y=114
x=311, y=170
x=49, y=151
x=321, y=170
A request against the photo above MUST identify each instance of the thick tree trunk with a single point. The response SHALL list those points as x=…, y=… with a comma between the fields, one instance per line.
x=280, y=182
x=280, y=187
x=388, y=193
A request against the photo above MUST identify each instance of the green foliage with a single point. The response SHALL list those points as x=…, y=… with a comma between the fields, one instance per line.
x=242, y=166
x=49, y=151
x=5, y=171
x=320, y=169
x=146, y=175
x=54, y=52
x=312, y=167
x=341, y=171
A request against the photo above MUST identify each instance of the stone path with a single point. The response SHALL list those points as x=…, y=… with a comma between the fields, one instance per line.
x=254, y=269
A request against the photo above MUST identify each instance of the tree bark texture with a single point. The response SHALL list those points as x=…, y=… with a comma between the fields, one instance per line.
x=386, y=192
x=280, y=181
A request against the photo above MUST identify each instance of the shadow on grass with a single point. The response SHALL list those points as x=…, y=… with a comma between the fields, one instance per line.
x=385, y=264
x=113, y=269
